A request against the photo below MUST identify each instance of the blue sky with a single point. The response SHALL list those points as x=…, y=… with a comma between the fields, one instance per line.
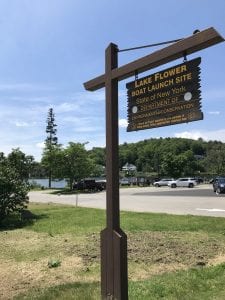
x=48, y=49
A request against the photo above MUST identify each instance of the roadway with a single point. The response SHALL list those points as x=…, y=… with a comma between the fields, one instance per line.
x=200, y=200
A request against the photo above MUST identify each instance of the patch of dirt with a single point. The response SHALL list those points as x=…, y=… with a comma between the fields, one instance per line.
x=142, y=271
x=188, y=249
x=166, y=250
x=219, y=259
x=16, y=278
x=24, y=257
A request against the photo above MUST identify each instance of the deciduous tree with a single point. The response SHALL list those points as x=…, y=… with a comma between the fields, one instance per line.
x=21, y=162
x=13, y=190
x=76, y=163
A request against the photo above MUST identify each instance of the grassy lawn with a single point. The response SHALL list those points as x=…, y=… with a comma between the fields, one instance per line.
x=57, y=255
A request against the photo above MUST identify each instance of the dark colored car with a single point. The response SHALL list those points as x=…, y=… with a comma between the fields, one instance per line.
x=89, y=185
x=219, y=185
x=199, y=180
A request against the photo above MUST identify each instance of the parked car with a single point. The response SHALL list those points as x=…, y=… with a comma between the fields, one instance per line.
x=162, y=182
x=124, y=181
x=89, y=185
x=219, y=185
x=102, y=182
x=199, y=180
x=183, y=182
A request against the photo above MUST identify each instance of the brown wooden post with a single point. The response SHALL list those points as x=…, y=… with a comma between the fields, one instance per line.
x=114, y=282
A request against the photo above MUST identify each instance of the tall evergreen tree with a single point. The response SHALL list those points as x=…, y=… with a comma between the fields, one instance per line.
x=51, y=144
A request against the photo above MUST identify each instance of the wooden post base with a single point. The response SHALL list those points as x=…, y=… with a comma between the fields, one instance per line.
x=114, y=280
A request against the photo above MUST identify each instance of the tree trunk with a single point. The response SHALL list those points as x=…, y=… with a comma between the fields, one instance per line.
x=71, y=184
x=50, y=180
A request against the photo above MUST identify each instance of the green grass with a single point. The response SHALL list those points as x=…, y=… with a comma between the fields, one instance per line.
x=165, y=222
x=77, y=224
x=194, y=284
x=59, y=219
x=76, y=291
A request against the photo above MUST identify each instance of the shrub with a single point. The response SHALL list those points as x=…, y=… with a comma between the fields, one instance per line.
x=13, y=192
x=54, y=263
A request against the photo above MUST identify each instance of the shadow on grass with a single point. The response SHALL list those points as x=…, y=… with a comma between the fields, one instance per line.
x=73, y=192
x=76, y=290
x=64, y=192
x=24, y=219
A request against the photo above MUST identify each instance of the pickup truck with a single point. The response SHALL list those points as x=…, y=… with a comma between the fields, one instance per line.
x=90, y=185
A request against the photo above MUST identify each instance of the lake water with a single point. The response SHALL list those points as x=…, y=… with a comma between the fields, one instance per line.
x=58, y=184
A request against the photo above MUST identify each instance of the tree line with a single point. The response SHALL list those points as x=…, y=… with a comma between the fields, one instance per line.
x=172, y=157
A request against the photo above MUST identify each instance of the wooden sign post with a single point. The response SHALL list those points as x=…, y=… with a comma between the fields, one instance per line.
x=114, y=284
x=114, y=281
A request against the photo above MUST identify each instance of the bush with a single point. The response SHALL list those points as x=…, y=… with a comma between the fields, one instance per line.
x=54, y=263
x=13, y=192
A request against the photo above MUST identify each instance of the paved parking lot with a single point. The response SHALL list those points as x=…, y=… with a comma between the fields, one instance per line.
x=200, y=200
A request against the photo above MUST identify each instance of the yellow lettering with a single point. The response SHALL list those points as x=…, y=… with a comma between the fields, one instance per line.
x=138, y=92
x=170, y=72
x=184, y=77
x=142, y=82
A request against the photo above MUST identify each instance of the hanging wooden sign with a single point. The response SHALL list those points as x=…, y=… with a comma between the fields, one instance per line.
x=168, y=97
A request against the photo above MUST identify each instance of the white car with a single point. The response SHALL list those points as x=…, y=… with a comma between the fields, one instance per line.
x=183, y=182
x=124, y=181
x=162, y=182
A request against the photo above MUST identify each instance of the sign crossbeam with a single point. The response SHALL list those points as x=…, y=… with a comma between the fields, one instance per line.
x=189, y=45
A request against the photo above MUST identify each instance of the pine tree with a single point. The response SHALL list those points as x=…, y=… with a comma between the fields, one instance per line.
x=51, y=130
x=51, y=143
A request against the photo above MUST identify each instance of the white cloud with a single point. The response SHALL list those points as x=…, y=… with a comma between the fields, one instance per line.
x=214, y=94
x=28, y=149
x=123, y=123
x=214, y=112
x=218, y=135
x=87, y=96
x=96, y=96
x=40, y=145
x=66, y=107
x=21, y=124
x=25, y=124
x=23, y=87
x=189, y=135
x=99, y=142
x=88, y=129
